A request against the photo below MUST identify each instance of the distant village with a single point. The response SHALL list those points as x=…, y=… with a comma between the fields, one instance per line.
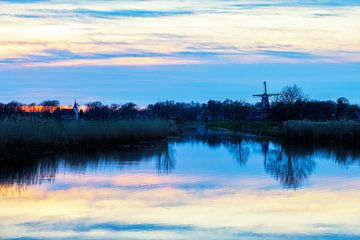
x=289, y=103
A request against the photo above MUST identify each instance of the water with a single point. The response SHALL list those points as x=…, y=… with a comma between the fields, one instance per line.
x=198, y=187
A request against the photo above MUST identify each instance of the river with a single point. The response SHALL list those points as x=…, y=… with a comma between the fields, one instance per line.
x=208, y=186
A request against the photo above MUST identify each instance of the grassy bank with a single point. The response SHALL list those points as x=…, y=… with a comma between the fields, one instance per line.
x=297, y=130
x=52, y=134
x=332, y=131
x=255, y=127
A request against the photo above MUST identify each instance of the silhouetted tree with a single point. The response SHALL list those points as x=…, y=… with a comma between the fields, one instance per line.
x=215, y=109
x=129, y=110
x=57, y=113
x=97, y=111
x=342, y=108
x=94, y=104
x=10, y=109
x=290, y=95
x=50, y=103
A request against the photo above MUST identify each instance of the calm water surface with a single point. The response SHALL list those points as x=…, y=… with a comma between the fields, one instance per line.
x=198, y=187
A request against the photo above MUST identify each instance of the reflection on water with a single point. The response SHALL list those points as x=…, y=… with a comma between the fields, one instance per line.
x=29, y=171
x=203, y=186
x=286, y=166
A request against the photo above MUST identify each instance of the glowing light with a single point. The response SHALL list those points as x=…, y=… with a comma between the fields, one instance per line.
x=51, y=109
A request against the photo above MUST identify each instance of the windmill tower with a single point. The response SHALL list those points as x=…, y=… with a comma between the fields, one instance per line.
x=265, y=103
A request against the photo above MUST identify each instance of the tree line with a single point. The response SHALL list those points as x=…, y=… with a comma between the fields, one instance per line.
x=291, y=104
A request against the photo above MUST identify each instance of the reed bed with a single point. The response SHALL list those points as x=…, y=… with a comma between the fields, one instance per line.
x=335, y=131
x=22, y=132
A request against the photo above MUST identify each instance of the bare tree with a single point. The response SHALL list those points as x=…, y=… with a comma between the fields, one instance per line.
x=291, y=94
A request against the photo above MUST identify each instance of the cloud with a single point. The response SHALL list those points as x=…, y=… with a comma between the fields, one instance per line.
x=288, y=54
x=325, y=15
x=106, y=14
x=24, y=1
x=53, y=55
x=80, y=226
x=191, y=55
x=297, y=3
x=129, y=13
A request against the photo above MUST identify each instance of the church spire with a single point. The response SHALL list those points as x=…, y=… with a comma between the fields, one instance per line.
x=76, y=110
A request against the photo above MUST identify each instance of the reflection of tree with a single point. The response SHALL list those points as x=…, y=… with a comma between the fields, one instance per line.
x=239, y=151
x=21, y=170
x=233, y=143
x=290, y=164
x=288, y=167
x=265, y=149
x=166, y=160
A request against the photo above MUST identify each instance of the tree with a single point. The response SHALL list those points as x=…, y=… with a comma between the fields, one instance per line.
x=128, y=110
x=9, y=109
x=97, y=111
x=115, y=106
x=50, y=103
x=342, y=108
x=94, y=104
x=291, y=94
x=215, y=109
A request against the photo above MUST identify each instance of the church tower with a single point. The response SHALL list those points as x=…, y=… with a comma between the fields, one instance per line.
x=76, y=110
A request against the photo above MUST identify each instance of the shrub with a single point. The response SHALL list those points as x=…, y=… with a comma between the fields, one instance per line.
x=338, y=131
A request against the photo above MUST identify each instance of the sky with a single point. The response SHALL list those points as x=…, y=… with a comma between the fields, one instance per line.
x=184, y=50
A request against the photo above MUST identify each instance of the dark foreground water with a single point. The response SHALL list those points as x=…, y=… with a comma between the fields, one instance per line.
x=199, y=187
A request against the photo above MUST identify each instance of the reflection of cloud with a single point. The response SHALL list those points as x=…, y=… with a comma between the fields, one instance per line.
x=88, y=210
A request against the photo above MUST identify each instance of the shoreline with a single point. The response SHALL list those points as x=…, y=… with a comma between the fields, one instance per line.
x=21, y=148
x=304, y=132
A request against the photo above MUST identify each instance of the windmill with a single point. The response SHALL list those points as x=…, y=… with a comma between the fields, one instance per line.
x=265, y=98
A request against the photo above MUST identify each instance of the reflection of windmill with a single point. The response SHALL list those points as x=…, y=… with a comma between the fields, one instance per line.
x=265, y=98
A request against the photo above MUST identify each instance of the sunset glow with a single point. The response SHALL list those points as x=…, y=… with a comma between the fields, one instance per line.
x=29, y=109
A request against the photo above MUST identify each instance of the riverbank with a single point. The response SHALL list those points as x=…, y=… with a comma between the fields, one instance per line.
x=41, y=136
x=32, y=134
x=262, y=128
x=337, y=131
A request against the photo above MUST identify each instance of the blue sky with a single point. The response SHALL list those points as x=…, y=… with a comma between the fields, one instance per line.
x=149, y=50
